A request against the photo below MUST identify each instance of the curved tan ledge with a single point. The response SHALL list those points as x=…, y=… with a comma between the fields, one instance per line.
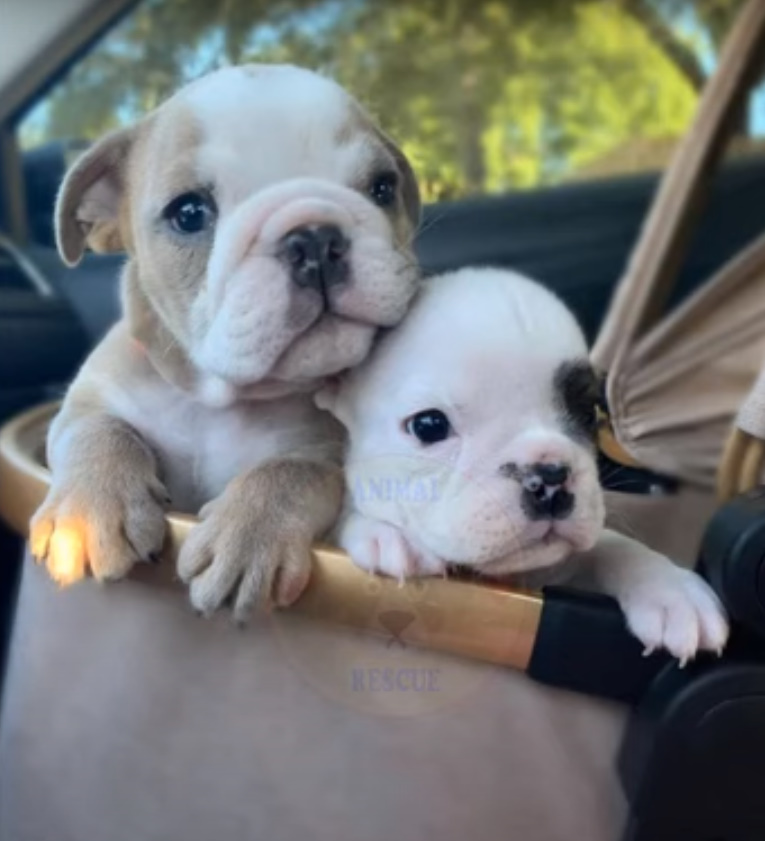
x=477, y=620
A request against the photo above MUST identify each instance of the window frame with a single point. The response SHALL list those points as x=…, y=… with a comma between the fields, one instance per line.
x=40, y=75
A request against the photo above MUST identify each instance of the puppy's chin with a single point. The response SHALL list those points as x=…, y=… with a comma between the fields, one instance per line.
x=506, y=547
x=539, y=554
x=264, y=329
x=330, y=346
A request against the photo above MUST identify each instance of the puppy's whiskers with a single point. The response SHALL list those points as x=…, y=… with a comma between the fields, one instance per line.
x=426, y=226
x=621, y=522
x=614, y=470
x=407, y=268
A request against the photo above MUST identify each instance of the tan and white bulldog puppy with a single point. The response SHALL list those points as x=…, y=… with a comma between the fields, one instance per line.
x=472, y=442
x=268, y=226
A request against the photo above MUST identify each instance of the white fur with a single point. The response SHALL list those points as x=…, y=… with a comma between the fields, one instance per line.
x=483, y=346
x=466, y=348
x=282, y=118
x=201, y=446
x=249, y=312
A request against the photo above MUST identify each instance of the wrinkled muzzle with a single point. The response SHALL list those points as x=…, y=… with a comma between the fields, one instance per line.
x=476, y=518
x=300, y=278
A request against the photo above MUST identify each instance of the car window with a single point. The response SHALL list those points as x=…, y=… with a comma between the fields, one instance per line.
x=484, y=96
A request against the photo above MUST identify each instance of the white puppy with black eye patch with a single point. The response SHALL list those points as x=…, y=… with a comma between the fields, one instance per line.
x=267, y=223
x=472, y=442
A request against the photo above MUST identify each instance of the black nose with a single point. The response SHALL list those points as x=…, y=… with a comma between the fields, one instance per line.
x=316, y=256
x=544, y=496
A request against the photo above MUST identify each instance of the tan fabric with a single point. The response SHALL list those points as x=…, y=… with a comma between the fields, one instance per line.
x=164, y=726
x=672, y=524
x=676, y=392
x=168, y=727
x=675, y=383
x=646, y=286
x=743, y=460
x=751, y=415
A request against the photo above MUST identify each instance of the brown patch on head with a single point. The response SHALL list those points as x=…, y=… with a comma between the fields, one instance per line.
x=410, y=192
x=163, y=166
x=112, y=199
x=408, y=205
x=96, y=203
x=126, y=240
x=165, y=158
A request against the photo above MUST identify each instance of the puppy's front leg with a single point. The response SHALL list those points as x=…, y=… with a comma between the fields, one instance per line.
x=665, y=605
x=377, y=546
x=106, y=506
x=254, y=541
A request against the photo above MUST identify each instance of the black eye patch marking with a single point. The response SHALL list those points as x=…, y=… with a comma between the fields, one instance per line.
x=577, y=395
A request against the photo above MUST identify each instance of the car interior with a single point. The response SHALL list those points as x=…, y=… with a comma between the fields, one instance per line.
x=573, y=112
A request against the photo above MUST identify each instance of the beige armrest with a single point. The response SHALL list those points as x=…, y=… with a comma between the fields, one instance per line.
x=480, y=621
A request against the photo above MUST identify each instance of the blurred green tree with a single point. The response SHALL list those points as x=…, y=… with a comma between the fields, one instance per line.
x=484, y=95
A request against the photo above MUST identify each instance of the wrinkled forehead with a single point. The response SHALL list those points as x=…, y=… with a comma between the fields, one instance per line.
x=242, y=129
x=478, y=375
x=484, y=381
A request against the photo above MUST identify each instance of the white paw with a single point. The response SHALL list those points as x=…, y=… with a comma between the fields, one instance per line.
x=675, y=609
x=380, y=547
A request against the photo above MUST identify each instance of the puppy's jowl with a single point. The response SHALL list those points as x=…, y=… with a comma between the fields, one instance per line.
x=485, y=398
x=267, y=224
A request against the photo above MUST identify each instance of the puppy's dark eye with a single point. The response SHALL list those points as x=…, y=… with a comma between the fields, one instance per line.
x=383, y=189
x=429, y=427
x=190, y=213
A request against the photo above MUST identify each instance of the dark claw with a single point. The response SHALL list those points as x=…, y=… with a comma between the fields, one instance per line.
x=154, y=557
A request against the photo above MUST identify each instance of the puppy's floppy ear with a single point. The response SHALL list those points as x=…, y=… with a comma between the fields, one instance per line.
x=409, y=189
x=88, y=203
